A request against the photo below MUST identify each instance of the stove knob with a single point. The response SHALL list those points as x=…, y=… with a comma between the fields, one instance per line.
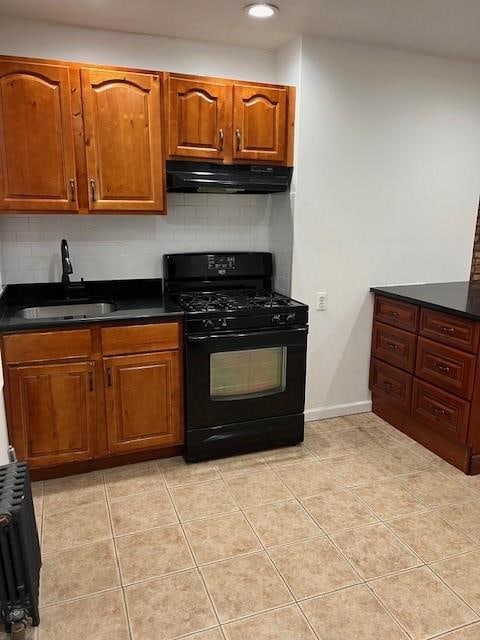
x=224, y=322
x=208, y=324
x=290, y=317
x=276, y=318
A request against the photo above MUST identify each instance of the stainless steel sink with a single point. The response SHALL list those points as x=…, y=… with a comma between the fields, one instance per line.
x=67, y=310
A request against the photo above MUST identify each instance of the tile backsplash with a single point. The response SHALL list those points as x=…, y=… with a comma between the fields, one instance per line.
x=107, y=247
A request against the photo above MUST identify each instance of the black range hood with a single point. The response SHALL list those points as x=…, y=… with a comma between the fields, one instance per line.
x=208, y=177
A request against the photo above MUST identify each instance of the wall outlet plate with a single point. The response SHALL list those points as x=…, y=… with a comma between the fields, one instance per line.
x=321, y=300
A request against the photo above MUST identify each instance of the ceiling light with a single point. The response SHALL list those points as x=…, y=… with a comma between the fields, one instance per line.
x=261, y=10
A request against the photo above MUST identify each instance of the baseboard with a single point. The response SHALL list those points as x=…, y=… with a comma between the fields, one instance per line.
x=337, y=410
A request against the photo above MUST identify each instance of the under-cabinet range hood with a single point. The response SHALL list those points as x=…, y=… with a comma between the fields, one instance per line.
x=207, y=177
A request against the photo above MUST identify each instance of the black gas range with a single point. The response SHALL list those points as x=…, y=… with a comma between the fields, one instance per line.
x=245, y=353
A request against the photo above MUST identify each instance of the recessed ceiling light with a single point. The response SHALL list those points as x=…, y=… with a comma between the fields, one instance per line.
x=261, y=10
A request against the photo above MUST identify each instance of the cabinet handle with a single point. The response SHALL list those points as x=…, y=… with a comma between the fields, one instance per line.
x=388, y=385
x=392, y=345
x=222, y=138
x=238, y=135
x=93, y=187
x=395, y=314
x=73, y=194
x=449, y=330
x=91, y=381
x=437, y=410
x=443, y=368
x=109, y=376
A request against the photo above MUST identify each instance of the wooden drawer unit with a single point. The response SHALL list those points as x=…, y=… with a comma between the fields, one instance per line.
x=441, y=410
x=394, y=346
x=449, y=368
x=399, y=314
x=47, y=346
x=391, y=383
x=450, y=329
x=141, y=338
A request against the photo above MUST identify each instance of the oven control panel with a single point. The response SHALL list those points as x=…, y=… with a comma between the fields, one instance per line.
x=221, y=264
x=215, y=324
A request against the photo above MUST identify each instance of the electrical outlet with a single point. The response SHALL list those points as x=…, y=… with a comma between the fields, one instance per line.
x=321, y=300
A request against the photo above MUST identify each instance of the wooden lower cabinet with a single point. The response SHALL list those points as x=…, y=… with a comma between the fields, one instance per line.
x=53, y=412
x=142, y=396
x=82, y=405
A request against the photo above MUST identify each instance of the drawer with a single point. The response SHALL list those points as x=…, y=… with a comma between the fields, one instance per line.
x=48, y=345
x=141, y=338
x=452, y=330
x=399, y=314
x=391, y=383
x=440, y=410
x=448, y=368
x=394, y=346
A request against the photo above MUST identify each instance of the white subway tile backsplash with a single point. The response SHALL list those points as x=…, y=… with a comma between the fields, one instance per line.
x=104, y=247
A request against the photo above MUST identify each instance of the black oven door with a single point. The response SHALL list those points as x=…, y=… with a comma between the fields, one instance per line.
x=245, y=376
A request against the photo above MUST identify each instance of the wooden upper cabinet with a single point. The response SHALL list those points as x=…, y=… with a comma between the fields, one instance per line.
x=143, y=401
x=53, y=412
x=198, y=118
x=259, y=123
x=37, y=161
x=125, y=169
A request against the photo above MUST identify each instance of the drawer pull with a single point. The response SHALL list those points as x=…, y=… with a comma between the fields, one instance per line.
x=443, y=368
x=91, y=382
x=449, y=330
x=388, y=385
x=395, y=314
x=392, y=345
x=437, y=410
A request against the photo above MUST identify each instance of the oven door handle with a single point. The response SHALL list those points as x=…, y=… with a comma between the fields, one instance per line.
x=249, y=334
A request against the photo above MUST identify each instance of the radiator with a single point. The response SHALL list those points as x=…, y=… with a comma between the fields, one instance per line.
x=20, y=558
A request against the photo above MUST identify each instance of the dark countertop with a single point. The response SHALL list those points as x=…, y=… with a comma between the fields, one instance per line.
x=458, y=298
x=134, y=300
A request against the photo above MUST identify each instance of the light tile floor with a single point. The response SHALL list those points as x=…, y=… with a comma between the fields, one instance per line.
x=359, y=534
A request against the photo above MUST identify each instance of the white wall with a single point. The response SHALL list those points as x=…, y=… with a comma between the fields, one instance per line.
x=48, y=40
x=387, y=188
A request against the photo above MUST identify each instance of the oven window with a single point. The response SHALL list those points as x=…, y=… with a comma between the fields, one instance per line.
x=248, y=373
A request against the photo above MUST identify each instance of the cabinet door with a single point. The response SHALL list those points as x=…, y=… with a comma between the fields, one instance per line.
x=53, y=412
x=260, y=123
x=143, y=401
x=123, y=141
x=37, y=162
x=198, y=114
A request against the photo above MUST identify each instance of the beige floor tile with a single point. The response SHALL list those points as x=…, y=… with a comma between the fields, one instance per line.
x=329, y=425
x=76, y=526
x=241, y=465
x=211, y=634
x=243, y=586
x=356, y=469
x=374, y=551
x=351, y=614
x=282, y=522
x=99, y=617
x=281, y=624
x=73, y=491
x=198, y=501
x=177, y=472
x=431, y=537
x=78, y=571
x=144, y=511
x=308, y=479
x=313, y=567
x=463, y=576
x=37, y=495
x=383, y=439
x=337, y=510
x=169, y=607
x=401, y=460
x=422, y=604
x=472, y=632
x=435, y=489
x=152, y=553
x=257, y=488
x=220, y=537
x=132, y=479
x=389, y=498
x=288, y=455
x=465, y=516
x=355, y=439
x=325, y=445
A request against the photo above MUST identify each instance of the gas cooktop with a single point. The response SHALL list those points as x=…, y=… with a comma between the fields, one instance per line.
x=232, y=301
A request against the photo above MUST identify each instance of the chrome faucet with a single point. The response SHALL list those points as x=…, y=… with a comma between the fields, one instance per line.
x=67, y=270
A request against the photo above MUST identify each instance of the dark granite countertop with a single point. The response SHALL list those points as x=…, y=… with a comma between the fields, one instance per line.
x=458, y=298
x=133, y=300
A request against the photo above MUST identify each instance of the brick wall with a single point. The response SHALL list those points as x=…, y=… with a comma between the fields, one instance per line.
x=475, y=270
